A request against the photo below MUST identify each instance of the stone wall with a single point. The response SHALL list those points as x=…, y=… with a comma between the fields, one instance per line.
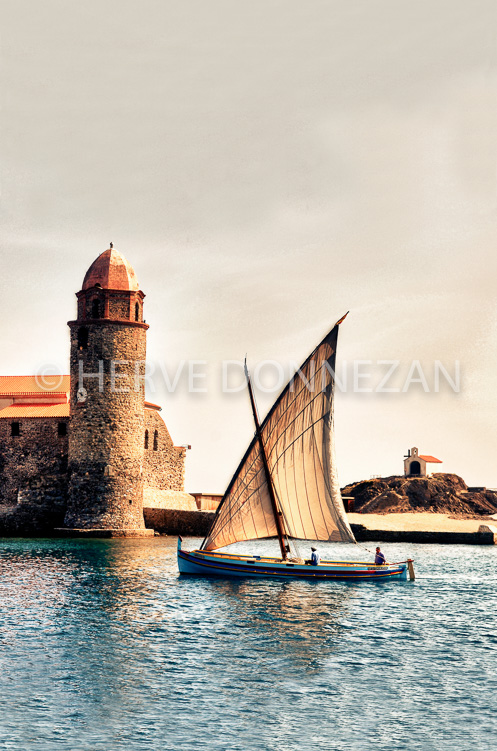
x=177, y=522
x=107, y=428
x=164, y=463
x=117, y=305
x=170, y=499
x=119, y=308
x=28, y=461
x=32, y=520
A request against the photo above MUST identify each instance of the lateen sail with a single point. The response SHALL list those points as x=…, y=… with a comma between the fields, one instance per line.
x=298, y=439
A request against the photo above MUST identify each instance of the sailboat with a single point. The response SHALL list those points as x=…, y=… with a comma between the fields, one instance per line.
x=286, y=487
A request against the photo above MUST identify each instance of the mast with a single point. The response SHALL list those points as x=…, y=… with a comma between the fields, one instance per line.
x=278, y=516
x=297, y=495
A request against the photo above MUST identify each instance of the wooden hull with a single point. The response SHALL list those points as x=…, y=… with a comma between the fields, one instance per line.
x=203, y=563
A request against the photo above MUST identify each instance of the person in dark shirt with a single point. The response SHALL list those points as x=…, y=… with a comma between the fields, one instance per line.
x=379, y=557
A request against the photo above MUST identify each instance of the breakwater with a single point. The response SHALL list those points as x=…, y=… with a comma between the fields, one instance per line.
x=363, y=534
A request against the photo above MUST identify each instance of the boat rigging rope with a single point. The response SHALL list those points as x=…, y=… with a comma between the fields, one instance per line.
x=370, y=551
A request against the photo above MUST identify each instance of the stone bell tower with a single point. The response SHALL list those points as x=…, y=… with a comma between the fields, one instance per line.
x=106, y=435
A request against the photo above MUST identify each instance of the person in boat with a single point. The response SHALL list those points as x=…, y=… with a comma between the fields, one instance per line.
x=315, y=557
x=379, y=557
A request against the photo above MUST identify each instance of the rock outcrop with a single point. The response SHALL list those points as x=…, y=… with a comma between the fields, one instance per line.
x=440, y=492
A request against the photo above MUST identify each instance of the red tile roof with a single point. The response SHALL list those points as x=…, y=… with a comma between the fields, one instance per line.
x=151, y=405
x=22, y=411
x=30, y=384
x=111, y=270
x=430, y=459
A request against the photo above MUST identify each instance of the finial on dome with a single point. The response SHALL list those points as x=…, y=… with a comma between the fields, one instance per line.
x=111, y=270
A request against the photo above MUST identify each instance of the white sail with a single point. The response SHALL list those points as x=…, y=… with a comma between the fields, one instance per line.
x=298, y=440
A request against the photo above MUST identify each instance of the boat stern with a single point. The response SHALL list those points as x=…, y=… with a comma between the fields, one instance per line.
x=407, y=570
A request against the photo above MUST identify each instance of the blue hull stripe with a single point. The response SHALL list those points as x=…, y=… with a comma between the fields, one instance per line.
x=218, y=567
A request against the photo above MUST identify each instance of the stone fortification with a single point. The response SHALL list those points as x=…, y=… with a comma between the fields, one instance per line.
x=81, y=455
x=164, y=463
x=33, y=472
x=164, y=467
x=106, y=444
x=107, y=428
x=179, y=522
x=28, y=458
x=168, y=499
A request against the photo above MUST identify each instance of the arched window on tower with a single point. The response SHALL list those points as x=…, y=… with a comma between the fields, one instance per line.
x=146, y=439
x=95, y=308
x=156, y=440
x=137, y=311
x=83, y=338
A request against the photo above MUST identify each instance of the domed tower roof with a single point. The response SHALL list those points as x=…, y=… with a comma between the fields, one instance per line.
x=111, y=270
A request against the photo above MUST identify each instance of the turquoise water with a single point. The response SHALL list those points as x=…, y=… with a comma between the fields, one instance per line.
x=105, y=648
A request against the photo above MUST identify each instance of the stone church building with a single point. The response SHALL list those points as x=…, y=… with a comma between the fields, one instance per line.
x=87, y=450
x=415, y=464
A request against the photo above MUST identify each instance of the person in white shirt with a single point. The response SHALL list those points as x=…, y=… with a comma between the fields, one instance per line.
x=315, y=557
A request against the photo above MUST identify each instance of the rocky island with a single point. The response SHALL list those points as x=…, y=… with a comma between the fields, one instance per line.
x=441, y=493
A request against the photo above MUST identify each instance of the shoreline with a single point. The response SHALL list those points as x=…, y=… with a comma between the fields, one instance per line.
x=420, y=521
x=423, y=527
x=417, y=527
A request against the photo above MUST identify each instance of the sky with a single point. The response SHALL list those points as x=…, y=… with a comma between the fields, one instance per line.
x=265, y=167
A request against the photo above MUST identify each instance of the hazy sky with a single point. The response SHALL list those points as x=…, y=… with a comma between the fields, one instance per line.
x=265, y=166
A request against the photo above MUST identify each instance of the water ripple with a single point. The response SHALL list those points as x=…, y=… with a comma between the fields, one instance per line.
x=105, y=648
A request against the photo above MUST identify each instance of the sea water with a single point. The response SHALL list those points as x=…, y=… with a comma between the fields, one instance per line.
x=104, y=647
